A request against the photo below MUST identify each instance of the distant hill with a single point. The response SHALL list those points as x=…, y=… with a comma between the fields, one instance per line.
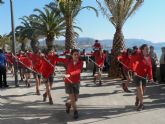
x=107, y=43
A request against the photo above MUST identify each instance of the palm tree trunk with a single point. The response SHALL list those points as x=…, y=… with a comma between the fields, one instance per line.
x=49, y=42
x=69, y=36
x=34, y=44
x=118, y=44
x=23, y=46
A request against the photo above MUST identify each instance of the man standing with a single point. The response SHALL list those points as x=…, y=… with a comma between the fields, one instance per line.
x=3, y=69
x=162, y=66
x=154, y=60
x=97, y=45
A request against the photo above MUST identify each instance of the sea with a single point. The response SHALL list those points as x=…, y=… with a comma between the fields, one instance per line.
x=88, y=50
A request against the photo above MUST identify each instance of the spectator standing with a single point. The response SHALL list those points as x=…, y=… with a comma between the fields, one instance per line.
x=3, y=66
x=154, y=60
x=162, y=66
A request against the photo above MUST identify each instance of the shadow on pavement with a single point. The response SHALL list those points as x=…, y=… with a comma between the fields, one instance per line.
x=32, y=113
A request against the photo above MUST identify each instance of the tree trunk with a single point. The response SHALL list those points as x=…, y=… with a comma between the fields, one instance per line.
x=34, y=44
x=69, y=36
x=118, y=44
x=23, y=46
x=50, y=42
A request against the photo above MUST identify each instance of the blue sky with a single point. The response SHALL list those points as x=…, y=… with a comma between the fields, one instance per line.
x=147, y=23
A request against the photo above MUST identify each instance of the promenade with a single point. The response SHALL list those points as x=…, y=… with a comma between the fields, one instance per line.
x=107, y=104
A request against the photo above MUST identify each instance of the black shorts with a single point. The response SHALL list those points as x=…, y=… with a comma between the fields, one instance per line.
x=72, y=88
x=36, y=75
x=139, y=81
x=26, y=70
x=98, y=69
x=50, y=79
x=127, y=73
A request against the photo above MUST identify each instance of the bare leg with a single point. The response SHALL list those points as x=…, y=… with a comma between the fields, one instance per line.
x=51, y=85
x=37, y=86
x=27, y=76
x=73, y=101
x=39, y=81
x=140, y=94
x=12, y=70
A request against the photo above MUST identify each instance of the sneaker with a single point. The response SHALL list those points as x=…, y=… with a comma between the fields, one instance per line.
x=76, y=114
x=137, y=101
x=94, y=80
x=68, y=106
x=38, y=92
x=100, y=83
x=140, y=107
x=6, y=85
x=123, y=86
x=44, y=97
x=127, y=90
x=124, y=79
x=28, y=85
x=50, y=101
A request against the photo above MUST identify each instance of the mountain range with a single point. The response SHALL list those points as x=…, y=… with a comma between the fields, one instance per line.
x=86, y=42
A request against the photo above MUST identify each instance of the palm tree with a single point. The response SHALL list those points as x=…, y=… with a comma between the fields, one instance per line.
x=49, y=24
x=21, y=37
x=1, y=2
x=26, y=31
x=70, y=9
x=117, y=12
x=5, y=40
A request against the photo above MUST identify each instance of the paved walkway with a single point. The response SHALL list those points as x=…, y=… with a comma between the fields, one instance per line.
x=107, y=104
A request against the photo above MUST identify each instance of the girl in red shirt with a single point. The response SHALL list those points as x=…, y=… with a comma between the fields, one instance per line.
x=72, y=79
x=51, y=57
x=124, y=59
x=142, y=68
x=27, y=65
x=99, y=59
x=37, y=62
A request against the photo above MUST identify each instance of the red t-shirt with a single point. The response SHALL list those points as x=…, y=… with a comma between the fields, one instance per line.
x=99, y=58
x=125, y=59
x=37, y=62
x=73, y=69
x=97, y=45
x=26, y=61
x=139, y=65
x=52, y=58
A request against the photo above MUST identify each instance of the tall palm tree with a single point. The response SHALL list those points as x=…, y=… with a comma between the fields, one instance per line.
x=70, y=9
x=21, y=37
x=49, y=24
x=117, y=12
x=26, y=31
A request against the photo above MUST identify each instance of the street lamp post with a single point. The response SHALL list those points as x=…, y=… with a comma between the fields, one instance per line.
x=13, y=42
